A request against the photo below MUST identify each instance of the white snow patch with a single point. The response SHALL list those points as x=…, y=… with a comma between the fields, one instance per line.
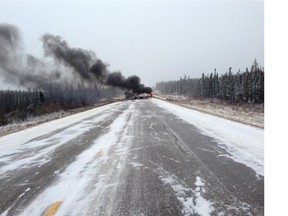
x=136, y=149
x=136, y=165
x=199, y=182
x=5, y=213
x=118, y=165
x=172, y=159
x=244, y=142
x=203, y=206
x=21, y=195
x=192, y=200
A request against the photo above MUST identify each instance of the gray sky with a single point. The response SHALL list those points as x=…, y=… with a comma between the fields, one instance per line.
x=158, y=41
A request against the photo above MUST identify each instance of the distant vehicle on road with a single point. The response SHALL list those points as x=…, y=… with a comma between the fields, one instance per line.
x=142, y=96
x=133, y=96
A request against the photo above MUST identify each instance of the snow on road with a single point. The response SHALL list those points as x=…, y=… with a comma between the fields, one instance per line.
x=37, y=151
x=12, y=140
x=244, y=142
x=92, y=177
x=72, y=188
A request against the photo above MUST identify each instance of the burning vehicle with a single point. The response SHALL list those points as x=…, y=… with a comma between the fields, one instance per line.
x=130, y=95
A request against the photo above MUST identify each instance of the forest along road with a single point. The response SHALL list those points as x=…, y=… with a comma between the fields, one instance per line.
x=142, y=157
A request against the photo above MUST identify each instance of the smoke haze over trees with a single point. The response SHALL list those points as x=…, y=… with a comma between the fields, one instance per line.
x=66, y=78
x=18, y=67
x=17, y=105
x=245, y=86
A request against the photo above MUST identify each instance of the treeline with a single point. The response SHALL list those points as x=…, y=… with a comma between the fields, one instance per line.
x=17, y=105
x=245, y=86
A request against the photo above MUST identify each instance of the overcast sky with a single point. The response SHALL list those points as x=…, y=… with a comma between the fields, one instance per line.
x=158, y=41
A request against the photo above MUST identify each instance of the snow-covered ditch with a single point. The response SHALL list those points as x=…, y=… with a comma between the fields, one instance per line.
x=245, y=143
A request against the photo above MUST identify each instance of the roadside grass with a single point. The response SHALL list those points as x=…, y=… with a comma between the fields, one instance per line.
x=250, y=114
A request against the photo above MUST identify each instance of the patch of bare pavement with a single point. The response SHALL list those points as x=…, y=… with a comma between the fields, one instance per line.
x=133, y=158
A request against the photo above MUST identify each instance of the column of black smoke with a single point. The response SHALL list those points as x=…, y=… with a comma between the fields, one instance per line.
x=88, y=66
x=26, y=70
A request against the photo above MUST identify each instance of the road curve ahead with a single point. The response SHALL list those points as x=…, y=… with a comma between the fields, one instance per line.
x=126, y=158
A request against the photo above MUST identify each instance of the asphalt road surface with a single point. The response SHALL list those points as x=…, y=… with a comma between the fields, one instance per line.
x=129, y=158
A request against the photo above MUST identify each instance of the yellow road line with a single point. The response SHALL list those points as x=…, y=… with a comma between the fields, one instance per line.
x=52, y=208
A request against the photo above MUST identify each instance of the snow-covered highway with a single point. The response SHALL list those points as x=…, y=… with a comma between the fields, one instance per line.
x=143, y=157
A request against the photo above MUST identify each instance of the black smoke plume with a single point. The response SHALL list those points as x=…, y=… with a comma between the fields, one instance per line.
x=88, y=66
x=19, y=68
x=79, y=60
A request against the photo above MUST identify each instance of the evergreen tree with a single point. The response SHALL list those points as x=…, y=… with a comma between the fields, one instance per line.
x=245, y=86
